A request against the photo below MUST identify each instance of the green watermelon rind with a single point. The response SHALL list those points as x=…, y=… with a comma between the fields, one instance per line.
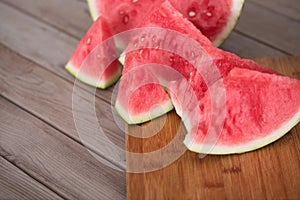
x=245, y=147
x=236, y=10
x=144, y=117
x=122, y=58
x=92, y=6
x=93, y=81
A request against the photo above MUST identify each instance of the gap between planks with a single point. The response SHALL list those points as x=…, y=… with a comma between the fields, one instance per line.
x=24, y=184
x=75, y=31
x=60, y=72
x=263, y=43
x=40, y=106
x=276, y=30
x=43, y=65
x=17, y=4
x=288, y=8
x=55, y=160
x=51, y=55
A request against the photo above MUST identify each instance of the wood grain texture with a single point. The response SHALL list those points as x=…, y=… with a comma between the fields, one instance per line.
x=54, y=159
x=39, y=37
x=70, y=16
x=236, y=43
x=34, y=43
x=41, y=43
x=289, y=8
x=275, y=30
x=15, y=184
x=272, y=172
x=55, y=101
x=248, y=48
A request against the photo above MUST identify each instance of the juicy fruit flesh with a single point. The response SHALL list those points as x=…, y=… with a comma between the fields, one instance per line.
x=253, y=115
x=93, y=61
x=126, y=14
x=219, y=149
x=135, y=102
x=251, y=108
x=208, y=16
x=214, y=18
x=252, y=102
x=167, y=17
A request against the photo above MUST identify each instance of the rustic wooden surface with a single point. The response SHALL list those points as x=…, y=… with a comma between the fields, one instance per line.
x=42, y=154
x=272, y=172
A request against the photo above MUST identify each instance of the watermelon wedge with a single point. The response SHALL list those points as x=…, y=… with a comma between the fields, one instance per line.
x=228, y=104
x=179, y=45
x=214, y=18
x=93, y=61
x=258, y=108
x=136, y=91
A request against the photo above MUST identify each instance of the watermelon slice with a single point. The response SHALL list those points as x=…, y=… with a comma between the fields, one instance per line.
x=136, y=91
x=258, y=108
x=215, y=18
x=94, y=60
x=243, y=107
x=163, y=51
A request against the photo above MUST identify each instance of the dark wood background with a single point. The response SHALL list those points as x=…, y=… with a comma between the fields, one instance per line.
x=42, y=155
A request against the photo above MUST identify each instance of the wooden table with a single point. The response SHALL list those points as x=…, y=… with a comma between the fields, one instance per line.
x=42, y=154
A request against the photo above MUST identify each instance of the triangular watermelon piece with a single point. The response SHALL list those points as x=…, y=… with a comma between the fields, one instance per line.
x=214, y=18
x=242, y=112
x=94, y=60
x=228, y=104
x=141, y=97
x=166, y=31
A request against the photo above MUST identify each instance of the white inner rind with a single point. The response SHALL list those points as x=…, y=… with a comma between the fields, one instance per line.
x=122, y=58
x=241, y=148
x=99, y=83
x=146, y=116
x=236, y=9
x=92, y=7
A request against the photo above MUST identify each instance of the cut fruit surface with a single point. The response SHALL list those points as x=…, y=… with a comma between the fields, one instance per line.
x=141, y=97
x=176, y=35
x=215, y=18
x=259, y=109
x=94, y=60
x=228, y=104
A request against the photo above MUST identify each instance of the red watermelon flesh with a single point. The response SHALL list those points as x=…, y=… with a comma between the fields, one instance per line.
x=218, y=61
x=123, y=15
x=94, y=60
x=133, y=103
x=258, y=109
x=215, y=18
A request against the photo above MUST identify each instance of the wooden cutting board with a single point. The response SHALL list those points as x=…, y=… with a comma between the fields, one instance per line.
x=272, y=172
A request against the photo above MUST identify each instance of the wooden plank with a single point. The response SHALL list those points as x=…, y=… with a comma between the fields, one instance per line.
x=70, y=16
x=40, y=43
x=248, y=48
x=275, y=30
x=15, y=184
x=53, y=100
x=54, y=159
x=289, y=8
x=236, y=43
x=35, y=40
x=272, y=172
